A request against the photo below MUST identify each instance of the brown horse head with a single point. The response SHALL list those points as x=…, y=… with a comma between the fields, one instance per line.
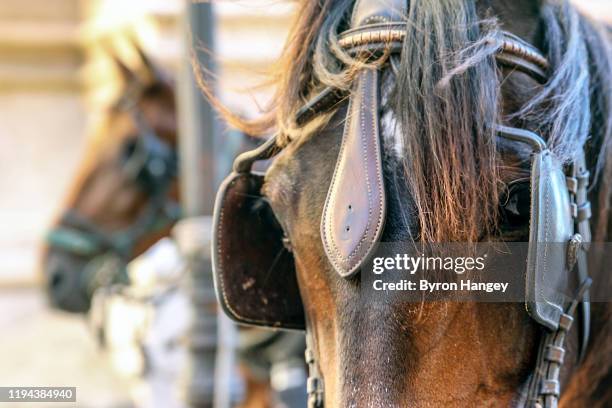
x=124, y=197
x=446, y=179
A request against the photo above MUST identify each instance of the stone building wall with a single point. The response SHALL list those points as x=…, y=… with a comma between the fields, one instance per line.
x=56, y=78
x=42, y=121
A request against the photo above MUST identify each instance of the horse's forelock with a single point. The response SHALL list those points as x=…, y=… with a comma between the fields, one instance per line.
x=447, y=99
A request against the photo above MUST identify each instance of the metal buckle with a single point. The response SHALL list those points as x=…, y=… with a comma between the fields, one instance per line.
x=574, y=245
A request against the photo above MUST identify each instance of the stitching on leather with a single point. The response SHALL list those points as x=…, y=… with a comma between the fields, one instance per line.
x=220, y=238
x=379, y=182
x=336, y=251
x=545, y=273
x=377, y=158
x=377, y=19
x=330, y=199
x=379, y=175
x=364, y=143
x=376, y=149
x=533, y=226
x=350, y=259
x=355, y=252
x=546, y=228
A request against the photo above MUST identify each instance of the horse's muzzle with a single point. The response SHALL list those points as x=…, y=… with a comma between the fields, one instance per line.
x=63, y=276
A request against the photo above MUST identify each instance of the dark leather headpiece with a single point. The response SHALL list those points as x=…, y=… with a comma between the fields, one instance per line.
x=354, y=213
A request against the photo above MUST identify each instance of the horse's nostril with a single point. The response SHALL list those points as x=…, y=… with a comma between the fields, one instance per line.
x=62, y=285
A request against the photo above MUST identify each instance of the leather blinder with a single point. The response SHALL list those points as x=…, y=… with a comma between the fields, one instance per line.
x=255, y=282
x=550, y=232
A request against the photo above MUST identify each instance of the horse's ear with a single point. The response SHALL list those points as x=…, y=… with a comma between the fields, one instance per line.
x=127, y=74
x=152, y=72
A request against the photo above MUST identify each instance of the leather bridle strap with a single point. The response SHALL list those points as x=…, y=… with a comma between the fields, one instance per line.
x=578, y=184
x=79, y=235
x=513, y=53
x=544, y=386
x=314, y=385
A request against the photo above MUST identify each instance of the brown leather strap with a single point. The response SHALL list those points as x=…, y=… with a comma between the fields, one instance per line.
x=354, y=212
x=579, y=179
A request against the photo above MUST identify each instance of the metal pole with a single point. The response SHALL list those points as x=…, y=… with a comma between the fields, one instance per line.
x=197, y=119
x=196, y=147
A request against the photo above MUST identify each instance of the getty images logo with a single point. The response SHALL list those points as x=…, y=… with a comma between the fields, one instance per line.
x=413, y=264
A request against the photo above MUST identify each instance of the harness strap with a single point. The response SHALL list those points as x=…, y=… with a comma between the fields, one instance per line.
x=76, y=234
x=580, y=174
x=379, y=39
x=544, y=387
x=314, y=384
x=72, y=240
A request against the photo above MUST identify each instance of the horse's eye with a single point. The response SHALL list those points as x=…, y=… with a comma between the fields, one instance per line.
x=516, y=205
x=263, y=211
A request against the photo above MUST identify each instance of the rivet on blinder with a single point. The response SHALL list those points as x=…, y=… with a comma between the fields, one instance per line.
x=287, y=243
x=574, y=245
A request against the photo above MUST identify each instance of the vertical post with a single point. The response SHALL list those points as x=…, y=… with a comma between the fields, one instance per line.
x=197, y=120
x=197, y=178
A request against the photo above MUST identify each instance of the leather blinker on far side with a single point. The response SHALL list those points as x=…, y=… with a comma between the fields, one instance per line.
x=550, y=230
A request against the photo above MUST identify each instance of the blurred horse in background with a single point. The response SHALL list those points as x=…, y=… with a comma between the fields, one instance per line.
x=125, y=197
x=124, y=200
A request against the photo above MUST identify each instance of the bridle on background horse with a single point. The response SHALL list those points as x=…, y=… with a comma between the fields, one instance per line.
x=256, y=284
x=153, y=164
